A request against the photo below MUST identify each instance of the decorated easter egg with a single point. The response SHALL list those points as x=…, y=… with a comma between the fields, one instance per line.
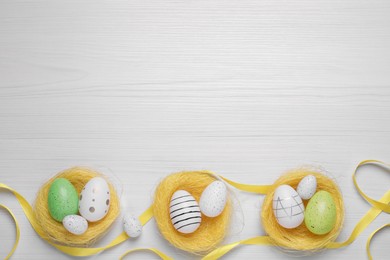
x=307, y=187
x=288, y=207
x=213, y=199
x=320, y=214
x=132, y=226
x=94, y=199
x=184, y=212
x=75, y=224
x=62, y=199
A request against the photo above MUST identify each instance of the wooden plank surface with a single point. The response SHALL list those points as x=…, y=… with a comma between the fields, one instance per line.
x=248, y=89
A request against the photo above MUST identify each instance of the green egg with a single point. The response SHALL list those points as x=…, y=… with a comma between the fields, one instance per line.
x=320, y=213
x=62, y=199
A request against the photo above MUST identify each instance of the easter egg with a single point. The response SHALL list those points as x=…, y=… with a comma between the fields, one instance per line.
x=213, y=199
x=307, y=187
x=288, y=207
x=94, y=199
x=184, y=212
x=62, y=199
x=132, y=226
x=320, y=214
x=75, y=224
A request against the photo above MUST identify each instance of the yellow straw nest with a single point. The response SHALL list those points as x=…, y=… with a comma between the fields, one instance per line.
x=300, y=238
x=55, y=231
x=211, y=230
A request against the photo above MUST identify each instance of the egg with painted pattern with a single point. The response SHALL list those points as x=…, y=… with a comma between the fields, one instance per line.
x=288, y=207
x=184, y=212
x=307, y=187
x=94, y=201
x=213, y=199
x=321, y=213
x=132, y=226
x=75, y=224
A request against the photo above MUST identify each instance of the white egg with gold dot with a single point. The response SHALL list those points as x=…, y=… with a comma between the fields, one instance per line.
x=94, y=201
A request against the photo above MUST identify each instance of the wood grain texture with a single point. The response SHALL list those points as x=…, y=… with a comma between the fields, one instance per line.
x=246, y=88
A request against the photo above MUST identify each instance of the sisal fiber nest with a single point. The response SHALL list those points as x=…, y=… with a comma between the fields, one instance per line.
x=211, y=230
x=301, y=238
x=55, y=231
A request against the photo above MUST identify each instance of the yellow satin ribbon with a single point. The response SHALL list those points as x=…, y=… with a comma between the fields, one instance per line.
x=377, y=208
x=153, y=250
x=17, y=231
x=219, y=252
x=371, y=236
x=380, y=205
x=260, y=189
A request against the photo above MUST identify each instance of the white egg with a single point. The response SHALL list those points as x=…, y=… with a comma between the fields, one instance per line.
x=132, y=226
x=184, y=212
x=213, y=199
x=94, y=199
x=75, y=224
x=288, y=207
x=307, y=187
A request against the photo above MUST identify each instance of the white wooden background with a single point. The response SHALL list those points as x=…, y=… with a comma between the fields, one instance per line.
x=245, y=88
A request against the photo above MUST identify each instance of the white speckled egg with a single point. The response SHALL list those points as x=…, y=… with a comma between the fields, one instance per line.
x=307, y=187
x=94, y=199
x=288, y=207
x=132, y=226
x=213, y=199
x=75, y=224
x=184, y=212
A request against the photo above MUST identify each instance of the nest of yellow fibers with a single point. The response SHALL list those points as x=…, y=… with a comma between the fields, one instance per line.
x=301, y=238
x=55, y=231
x=211, y=230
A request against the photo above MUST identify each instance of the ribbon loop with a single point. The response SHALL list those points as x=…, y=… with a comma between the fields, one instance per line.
x=17, y=232
x=380, y=205
x=156, y=251
x=371, y=237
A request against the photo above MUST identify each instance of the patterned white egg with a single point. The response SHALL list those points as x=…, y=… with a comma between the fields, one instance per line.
x=213, y=199
x=75, y=224
x=184, y=212
x=132, y=226
x=307, y=187
x=288, y=207
x=94, y=199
